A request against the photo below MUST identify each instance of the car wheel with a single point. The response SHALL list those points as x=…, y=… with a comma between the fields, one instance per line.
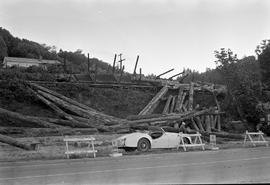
x=143, y=145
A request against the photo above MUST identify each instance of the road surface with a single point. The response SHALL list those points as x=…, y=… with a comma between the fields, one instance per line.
x=246, y=165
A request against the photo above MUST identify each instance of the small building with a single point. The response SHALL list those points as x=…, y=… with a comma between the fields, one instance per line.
x=27, y=62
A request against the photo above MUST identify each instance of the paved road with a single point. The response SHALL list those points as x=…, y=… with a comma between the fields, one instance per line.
x=223, y=166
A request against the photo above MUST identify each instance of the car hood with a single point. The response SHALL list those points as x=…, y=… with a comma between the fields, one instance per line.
x=134, y=134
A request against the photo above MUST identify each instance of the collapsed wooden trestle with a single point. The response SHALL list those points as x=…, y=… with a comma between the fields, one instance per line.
x=73, y=115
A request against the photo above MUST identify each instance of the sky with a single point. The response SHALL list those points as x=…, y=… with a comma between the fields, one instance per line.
x=165, y=33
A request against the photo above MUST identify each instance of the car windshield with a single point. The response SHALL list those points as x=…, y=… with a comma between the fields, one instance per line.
x=155, y=129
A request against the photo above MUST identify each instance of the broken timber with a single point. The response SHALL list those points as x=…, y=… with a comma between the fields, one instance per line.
x=154, y=102
x=14, y=142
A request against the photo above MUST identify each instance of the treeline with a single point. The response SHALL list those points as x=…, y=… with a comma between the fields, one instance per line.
x=76, y=62
x=247, y=80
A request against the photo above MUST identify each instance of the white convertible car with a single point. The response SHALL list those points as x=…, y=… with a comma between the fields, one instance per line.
x=155, y=137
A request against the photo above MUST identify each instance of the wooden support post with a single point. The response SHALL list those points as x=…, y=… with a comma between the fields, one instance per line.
x=182, y=101
x=178, y=100
x=191, y=92
x=185, y=106
x=212, y=121
x=207, y=123
x=154, y=102
x=194, y=124
x=140, y=74
x=172, y=104
x=199, y=123
x=167, y=105
x=218, y=123
x=113, y=70
x=88, y=63
x=158, y=76
x=95, y=72
x=121, y=74
x=215, y=121
x=134, y=72
x=65, y=63
x=14, y=142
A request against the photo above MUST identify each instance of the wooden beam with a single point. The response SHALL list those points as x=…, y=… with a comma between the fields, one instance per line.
x=199, y=123
x=191, y=92
x=14, y=142
x=178, y=100
x=153, y=103
x=167, y=105
x=172, y=104
x=134, y=72
x=114, y=63
x=194, y=124
x=158, y=76
x=207, y=123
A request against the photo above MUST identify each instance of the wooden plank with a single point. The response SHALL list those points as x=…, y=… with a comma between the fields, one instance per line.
x=14, y=142
x=191, y=93
x=172, y=104
x=218, y=123
x=207, y=123
x=178, y=99
x=199, y=123
x=167, y=105
x=154, y=102
x=212, y=121
x=185, y=106
x=194, y=124
x=182, y=101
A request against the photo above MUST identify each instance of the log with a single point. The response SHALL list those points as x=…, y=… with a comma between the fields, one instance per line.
x=51, y=105
x=185, y=106
x=29, y=119
x=182, y=102
x=194, y=124
x=174, y=117
x=138, y=117
x=13, y=142
x=190, y=101
x=212, y=121
x=167, y=105
x=73, y=124
x=207, y=123
x=172, y=105
x=38, y=132
x=69, y=100
x=178, y=100
x=154, y=102
x=94, y=116
x=199, y=123
x=217, y=103
x=224, y=135
x=215, y=121
x=218, y=123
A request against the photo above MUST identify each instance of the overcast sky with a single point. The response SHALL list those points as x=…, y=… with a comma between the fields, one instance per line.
x=165, y=33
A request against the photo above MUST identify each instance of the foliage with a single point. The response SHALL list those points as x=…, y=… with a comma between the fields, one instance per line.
x=76, y=62
x=263, y=52
x=3, y=49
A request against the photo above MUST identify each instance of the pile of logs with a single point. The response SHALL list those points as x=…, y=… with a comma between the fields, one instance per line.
x=76, y=117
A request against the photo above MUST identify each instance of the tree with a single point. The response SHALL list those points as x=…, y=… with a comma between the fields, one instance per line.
x=263, y=52
x=3, y=49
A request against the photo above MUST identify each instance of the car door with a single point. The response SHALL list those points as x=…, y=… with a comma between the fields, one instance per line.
x=160, y=142
x=173, y=139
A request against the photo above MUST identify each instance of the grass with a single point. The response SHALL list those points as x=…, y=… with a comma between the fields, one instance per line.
x=54, y=148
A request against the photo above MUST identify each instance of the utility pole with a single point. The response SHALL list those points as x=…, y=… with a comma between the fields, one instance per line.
x=121, y=60
x=88, y=62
